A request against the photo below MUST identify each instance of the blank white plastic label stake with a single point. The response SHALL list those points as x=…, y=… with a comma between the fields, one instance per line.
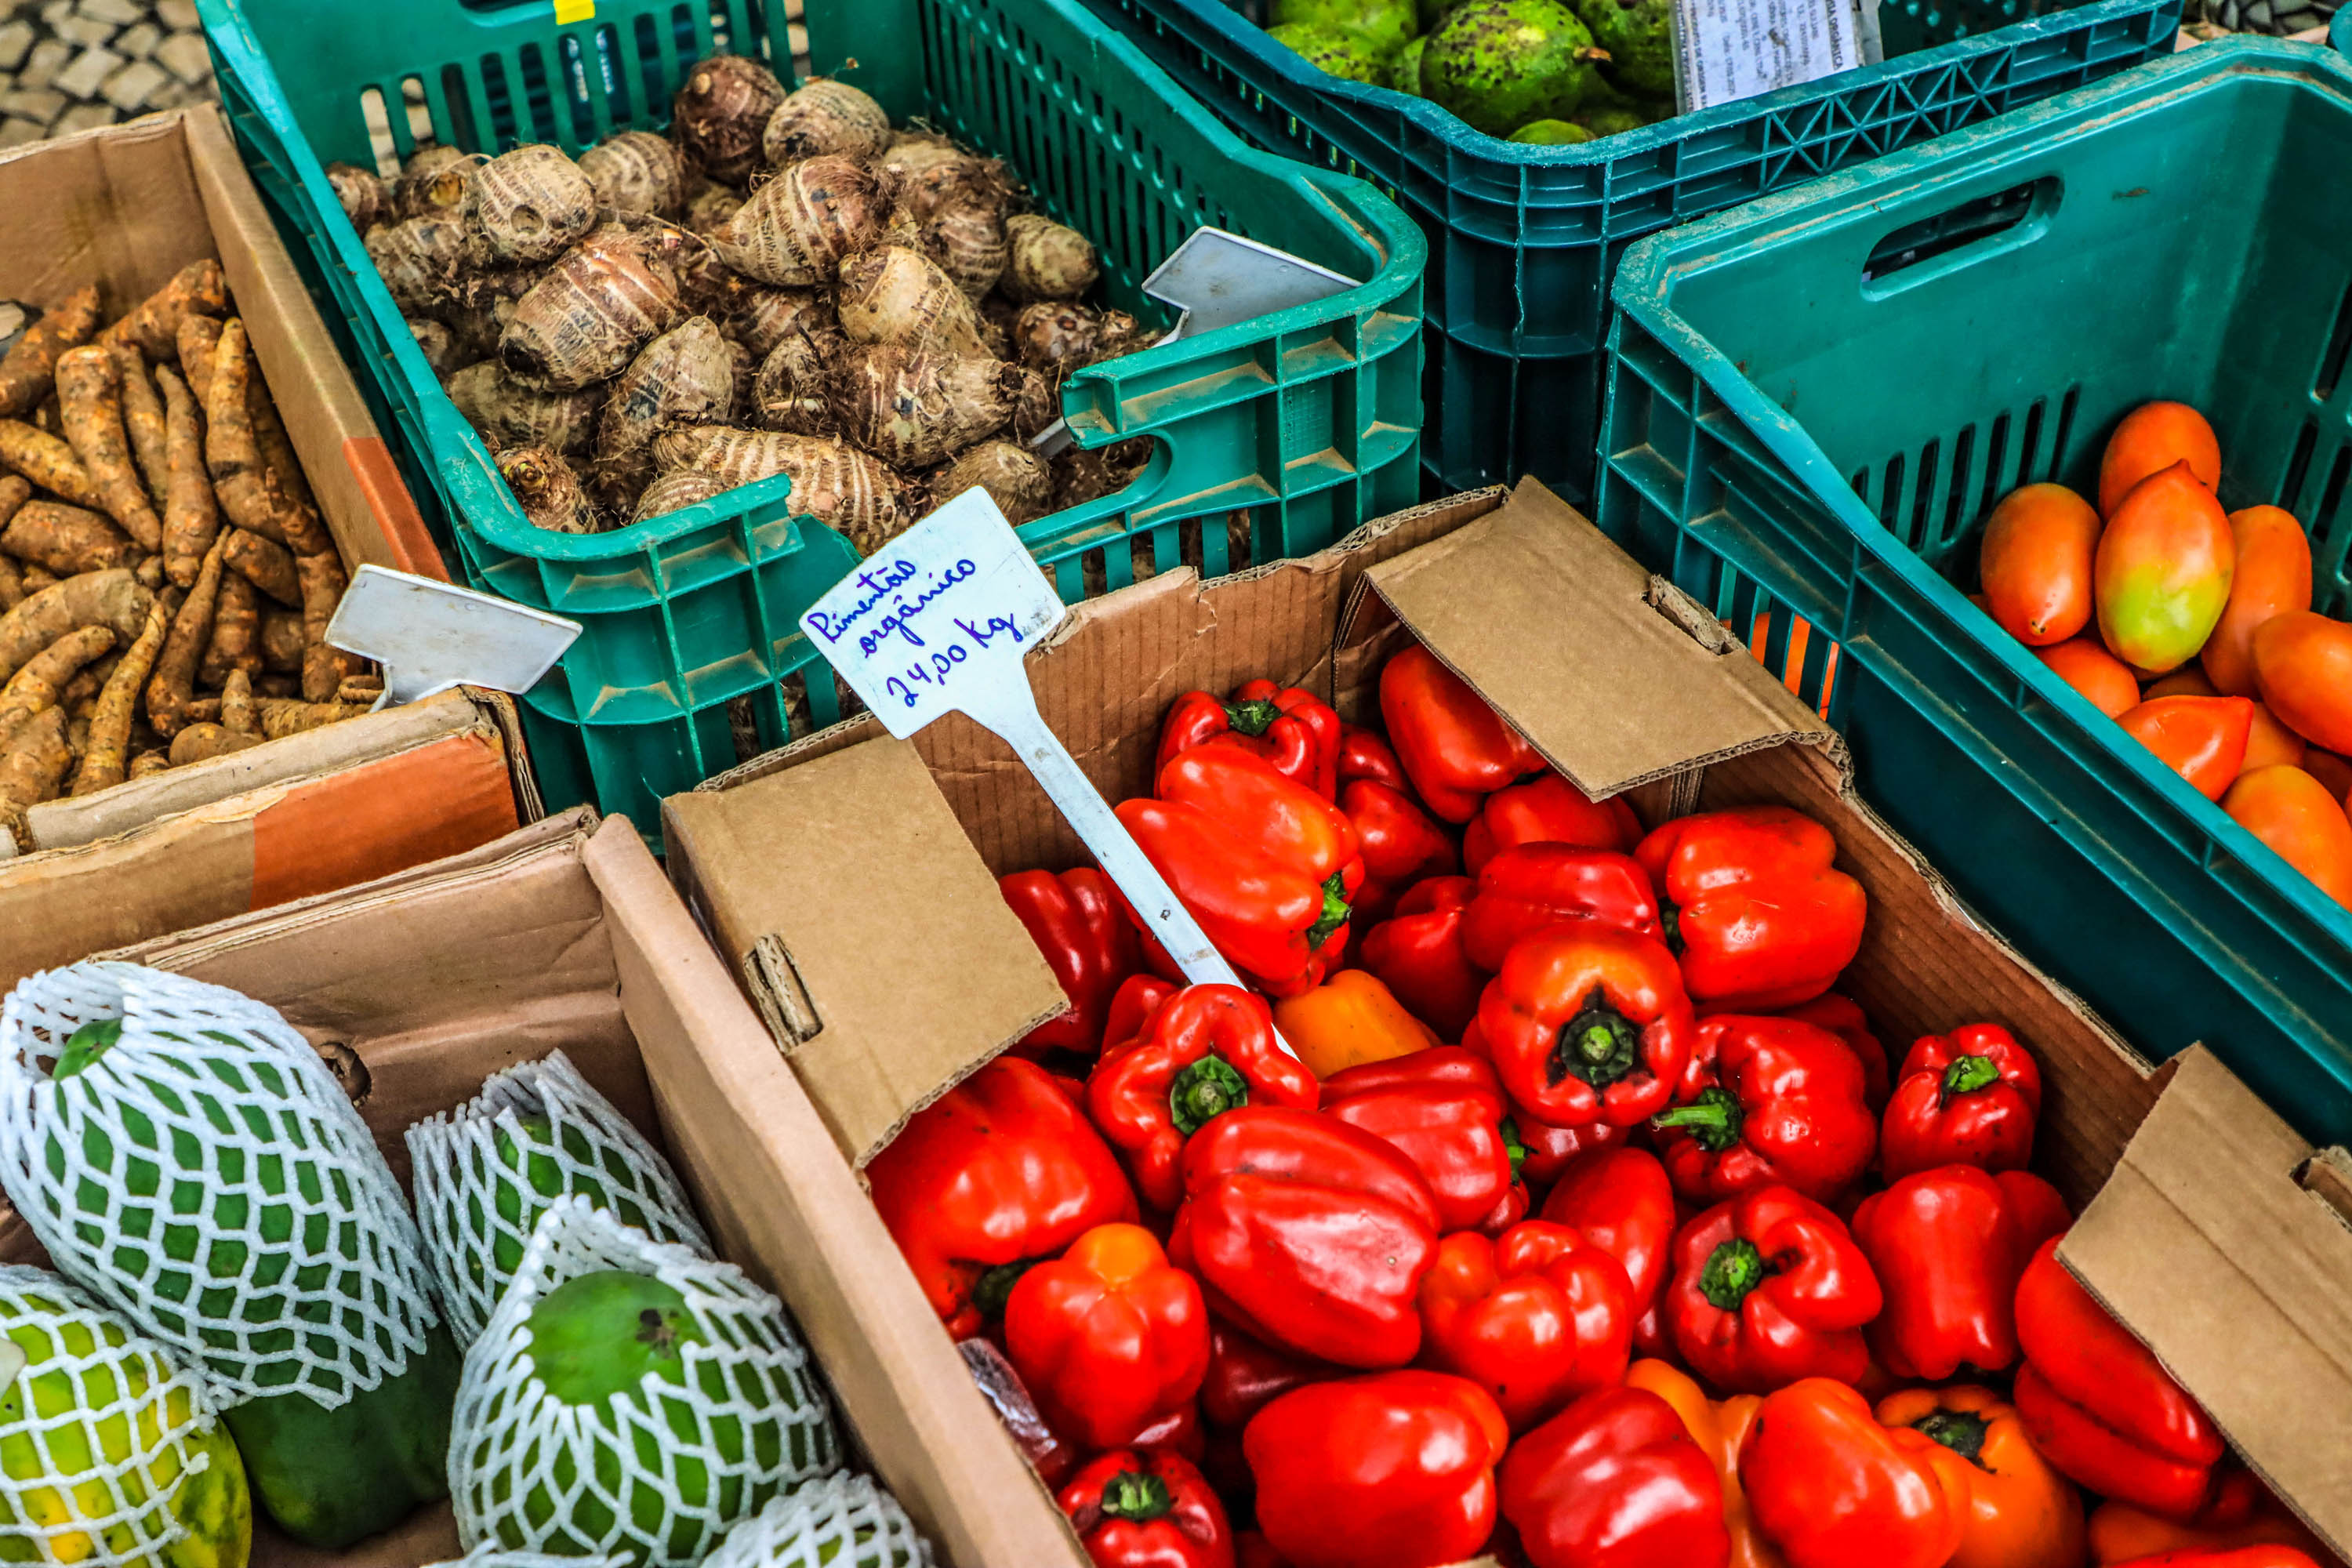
x=431, y=636
x=939, y=621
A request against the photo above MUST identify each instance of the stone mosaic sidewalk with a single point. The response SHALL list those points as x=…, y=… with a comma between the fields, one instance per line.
x=72, y=64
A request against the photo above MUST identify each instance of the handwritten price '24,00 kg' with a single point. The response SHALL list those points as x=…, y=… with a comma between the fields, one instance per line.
x=883, y=589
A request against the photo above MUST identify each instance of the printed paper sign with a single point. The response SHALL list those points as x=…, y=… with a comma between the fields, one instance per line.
x=1731, y=49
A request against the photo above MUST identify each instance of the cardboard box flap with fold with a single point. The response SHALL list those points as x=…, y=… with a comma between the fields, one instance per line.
x=1611, y=680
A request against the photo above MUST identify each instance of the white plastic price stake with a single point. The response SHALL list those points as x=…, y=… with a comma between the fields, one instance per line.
x=939, y=621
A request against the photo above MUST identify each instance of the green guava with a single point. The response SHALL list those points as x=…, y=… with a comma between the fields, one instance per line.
x=1551, y=134
x=1405, y=71
x=1347, y=56
x=1387, y=24
x=1638, y=37
x=1500, y=64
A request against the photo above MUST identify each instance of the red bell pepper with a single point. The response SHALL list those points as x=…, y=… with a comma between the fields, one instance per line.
x=1363, y=754
x=1245, y=1374
x=1767, y=1289
x=1131, y=1007
x=1444, y=1109
x=1548, y=810
x=1295, y=730
x=997, y=1173
x=1253, y=1550
x=1550, y=1149
x=2097, y=1404
x=1265, y=864
x=2241, y=1511
x=1615, y=1480
x=1832, y=1489
x=1147, y=1510
x=1402, y=844
x=1086, y=941
x=2036, y=1211
x=1587, y=1024
x=1391, y=1471
x=1309, y=1233
x=1532, y=886
x=1207, y=1050
x=1969, y=1097
x=1535, y=1318
x=1417, y=954
x=1621, y=1201
x=1944, y=1246
x=1456, y=750
x=1770, y=1101
x=1111, y=1340
x=1751, y=903
x=2226, y=1557
x=1179, y=1432
x=1842, y=1017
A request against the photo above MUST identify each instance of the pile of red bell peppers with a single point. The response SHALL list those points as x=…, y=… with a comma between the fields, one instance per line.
x=1588, y=1227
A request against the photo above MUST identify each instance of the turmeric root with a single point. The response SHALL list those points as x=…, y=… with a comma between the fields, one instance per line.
x=200, y=288
x=31, y=769
x=190, y=516
x=89, y=390
x=206, y=709
x=278, y=685
x=172, y=682
x=112, y=599
x=325, y=667
x=150, y=571
x=267, y=567
x=199, y=335
x=142, y=420
x=203, y=743
x=66, y=539
x=37, y=578
x=282, y=641
x=50, y=463
x=146, y=764
x=249, y=493
x=26, y=373
x=14, y=493
x=236, y=621
x=42, y=682
x=277, y=446
x=280, y=718
x=105, y=753
x=12, y=585
x=360, y=689
x=237, y=713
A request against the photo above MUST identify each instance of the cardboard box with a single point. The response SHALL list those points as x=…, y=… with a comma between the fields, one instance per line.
x=565, y=934
x=830, y=880
x=126, y=208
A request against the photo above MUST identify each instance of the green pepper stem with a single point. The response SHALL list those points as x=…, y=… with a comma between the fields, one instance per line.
x=1961, y=1431
x=995, y=1287
x=1670, y=926
x=1335, y=911
x=657, y=1334
x=1204, y=1091
x=1966, y=1075
x=1714, y=1120
x=1252, y=718
x=1733, y=1270
x=1135, y=1496
x=1513, y=1145
x=1598, y=1045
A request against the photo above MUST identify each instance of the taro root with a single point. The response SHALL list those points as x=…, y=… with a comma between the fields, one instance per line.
x=1036, y=406
x=969, y=241
x=432, y=184
x=1046, y=260
x=709, y=207
x=1018, y=479
x=421, y=260
x=637, y=173
x=797, y=227
x=721, y=114
x=675, y=492
x=764, y=317
x=509, y=414
x=686, y=376
x=1081, y=476
x=832, y=482
x=913, y=408
x=934, y=173
x=826, y=116
x=891, y=295
x=365, y=199
x=549, y=492
x=585, y=321
x=529, y=203
x=437, y=342
x=792, y=390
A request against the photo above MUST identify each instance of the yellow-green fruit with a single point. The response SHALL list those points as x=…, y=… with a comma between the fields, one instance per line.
x=1385, y=25
x=1334, y=51
x=1551, y=134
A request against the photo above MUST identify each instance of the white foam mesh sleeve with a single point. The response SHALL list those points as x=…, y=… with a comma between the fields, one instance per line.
x=842, y=1522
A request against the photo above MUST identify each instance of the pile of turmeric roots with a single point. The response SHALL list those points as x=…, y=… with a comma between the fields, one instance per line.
x=784, y=283
x=165, y=577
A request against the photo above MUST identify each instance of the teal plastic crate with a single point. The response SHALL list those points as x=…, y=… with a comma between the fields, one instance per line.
x=1523, y=240
x=1815, y=400
x=1308, y=421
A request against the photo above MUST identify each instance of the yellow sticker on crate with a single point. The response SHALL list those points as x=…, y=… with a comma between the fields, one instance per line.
x=570, y=11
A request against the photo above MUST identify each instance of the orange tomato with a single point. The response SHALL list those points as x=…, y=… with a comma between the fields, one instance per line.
x=2202, y=739
x=2331, y=770
x=2035, y=563
x=2271, y=743
x=2187, y=681
x=2094, y=672
x=2162, y=575
x=2274, y=576
x=2153, y=437
x=2303, y=663
x=2293, y=812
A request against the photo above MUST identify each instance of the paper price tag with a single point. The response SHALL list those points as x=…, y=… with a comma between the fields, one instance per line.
x=939, y=621
x=1727, y=50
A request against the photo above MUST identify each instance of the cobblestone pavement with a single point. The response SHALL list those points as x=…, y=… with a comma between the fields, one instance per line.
x=71, y=65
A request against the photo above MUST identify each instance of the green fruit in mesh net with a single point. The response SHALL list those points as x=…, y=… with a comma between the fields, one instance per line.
x=1334, y=52
x=843, y=1519
x=544, y=1179
x=1498, y=64
x=104, y=1452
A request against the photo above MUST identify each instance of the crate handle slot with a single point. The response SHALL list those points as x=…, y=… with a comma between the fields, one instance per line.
x=1974, y=231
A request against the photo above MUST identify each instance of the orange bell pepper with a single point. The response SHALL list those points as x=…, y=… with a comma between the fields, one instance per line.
x=2015, y=1510
x=1347, y=1021
x=2242, y=1512
x=1717, y=1427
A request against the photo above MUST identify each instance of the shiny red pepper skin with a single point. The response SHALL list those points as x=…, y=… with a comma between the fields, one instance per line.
x=1768, y=1101
x=1621, y=1201
x=1587, y=1024
x=2099, y=1405
x=1309, y=1233
x=1077, y=923
x=1548, y=810
x=1443, y=1110
x=2226, y=1557
x=1969, y=1097
x=1208, y=1049
x=1295, y=730
x=1615, y=1481
x=1842, y=1017
x=1551, y=1151
x=1417, y=954
x=1363, y=754
x=1760, y=917
x=1454, y=748
x=1831, y=1487
x=1402, y=844
x=1137, y=997
x=1246, y=1374
x=1767, y=1289
x=1003, y=1169
x=1945, y=1246
x=1111, y=1341
x=1147, y=1510
x=1535, y=1316
x=1390, y=1471
x=1532, y=886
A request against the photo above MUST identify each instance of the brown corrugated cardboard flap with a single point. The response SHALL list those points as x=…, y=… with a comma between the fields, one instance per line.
x=1556, y=626
x=2215, y=1241
x=925, y=973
